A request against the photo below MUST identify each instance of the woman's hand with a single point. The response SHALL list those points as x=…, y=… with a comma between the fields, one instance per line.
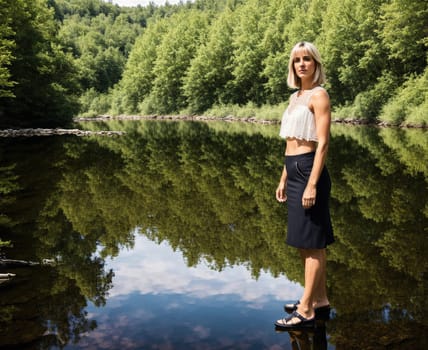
x=280, y=192
x=309, y=195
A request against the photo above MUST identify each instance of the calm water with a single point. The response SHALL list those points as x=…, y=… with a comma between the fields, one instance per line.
x=170, y=238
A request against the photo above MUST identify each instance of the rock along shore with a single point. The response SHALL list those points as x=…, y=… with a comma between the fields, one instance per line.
x=176, y=117
x=50, y=132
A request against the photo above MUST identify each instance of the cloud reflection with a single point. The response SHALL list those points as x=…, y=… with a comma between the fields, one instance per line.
x=151, y=268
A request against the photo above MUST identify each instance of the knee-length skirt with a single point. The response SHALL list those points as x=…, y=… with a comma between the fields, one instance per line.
x=307, y=228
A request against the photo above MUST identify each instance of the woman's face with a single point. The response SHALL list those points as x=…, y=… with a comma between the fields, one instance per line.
x=304, y=65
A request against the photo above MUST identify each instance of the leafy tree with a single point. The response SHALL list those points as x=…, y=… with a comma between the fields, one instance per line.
x=6, y=45
x=185, y=32
x=85, y=8
x=38, y=60
x=101, y=45
x=138, y=76
x=404, y=32
x=248, y=53
x=210, y=72
x=350, y=48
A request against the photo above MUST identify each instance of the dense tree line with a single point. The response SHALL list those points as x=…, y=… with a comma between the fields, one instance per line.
x=63, y=57
x=239, y=56
x=55, y=54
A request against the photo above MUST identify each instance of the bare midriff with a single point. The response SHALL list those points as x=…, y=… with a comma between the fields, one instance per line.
x=297, y=146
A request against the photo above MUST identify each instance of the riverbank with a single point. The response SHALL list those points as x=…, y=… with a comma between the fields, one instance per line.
x=28, y=132
x=230, y=118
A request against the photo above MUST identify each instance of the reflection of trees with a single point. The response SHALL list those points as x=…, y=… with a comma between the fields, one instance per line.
x=377, y=329
x=410, y=147
x=43, y=311
x=209, y=191
x=44, y=305
x=380, y=219
x=200, y=190
x=389, y=204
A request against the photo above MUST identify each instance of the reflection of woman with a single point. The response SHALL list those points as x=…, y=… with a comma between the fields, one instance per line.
x=305, y=182
x=315, y=339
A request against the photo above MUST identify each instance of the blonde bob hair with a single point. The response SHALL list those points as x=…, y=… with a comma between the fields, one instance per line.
x=293, y=80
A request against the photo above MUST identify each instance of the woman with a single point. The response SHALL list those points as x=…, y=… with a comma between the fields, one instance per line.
x=305, y=182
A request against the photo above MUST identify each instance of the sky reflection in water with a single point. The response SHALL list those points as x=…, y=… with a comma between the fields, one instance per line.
x=157, y=302
x=151, y=268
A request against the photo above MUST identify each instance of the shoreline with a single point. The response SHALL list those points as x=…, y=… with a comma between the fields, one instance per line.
x=28, y=132
x=231, y=118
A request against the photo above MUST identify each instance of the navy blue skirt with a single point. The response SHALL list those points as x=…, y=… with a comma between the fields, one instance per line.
x=307, y=228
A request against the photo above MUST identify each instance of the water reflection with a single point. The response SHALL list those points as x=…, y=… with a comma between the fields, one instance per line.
x=151, y=268
x=156, y=301
x=312, y=339
x=207, y=191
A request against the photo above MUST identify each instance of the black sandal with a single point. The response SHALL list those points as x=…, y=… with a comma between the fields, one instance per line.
x=290, y=308
x=322, y=311
x=303, y=323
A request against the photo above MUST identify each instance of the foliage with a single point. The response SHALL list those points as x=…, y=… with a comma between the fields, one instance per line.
x=37, y=61
x=173, y=55
x=250, y=110
x=138, y=76
x=94, y=103
x=410, y=102
x=6, y=45
x=245, y=56
x=205, y=82
x=100, y=46
x=405, y=34
x=248, y=54
x=196, y=55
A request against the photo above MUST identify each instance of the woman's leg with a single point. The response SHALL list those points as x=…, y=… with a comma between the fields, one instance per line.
x=315, y=279
x=315, y=293
x=320, y=297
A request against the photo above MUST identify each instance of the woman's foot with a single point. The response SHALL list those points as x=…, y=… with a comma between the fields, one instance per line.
x=319, y=307
x=296, y=320
x=321, y=304
x=290, y=307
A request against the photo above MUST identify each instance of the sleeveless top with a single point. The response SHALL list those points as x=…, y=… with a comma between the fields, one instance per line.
x=298, y=121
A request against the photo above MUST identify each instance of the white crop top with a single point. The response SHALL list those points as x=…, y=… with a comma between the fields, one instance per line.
x=298, y=121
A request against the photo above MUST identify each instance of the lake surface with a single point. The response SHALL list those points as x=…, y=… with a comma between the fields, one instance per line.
x=170, y=237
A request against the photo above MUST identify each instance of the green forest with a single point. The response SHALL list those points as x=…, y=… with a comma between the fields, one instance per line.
x=65, y=58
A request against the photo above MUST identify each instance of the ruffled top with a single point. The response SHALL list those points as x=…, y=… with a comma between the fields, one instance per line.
x=298, y=121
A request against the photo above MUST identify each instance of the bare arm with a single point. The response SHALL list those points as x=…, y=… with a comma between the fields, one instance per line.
x=281, y=189
x=320, y=103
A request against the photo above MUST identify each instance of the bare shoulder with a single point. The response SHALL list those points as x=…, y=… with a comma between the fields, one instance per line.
x=320, y=99
x=320, y=94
